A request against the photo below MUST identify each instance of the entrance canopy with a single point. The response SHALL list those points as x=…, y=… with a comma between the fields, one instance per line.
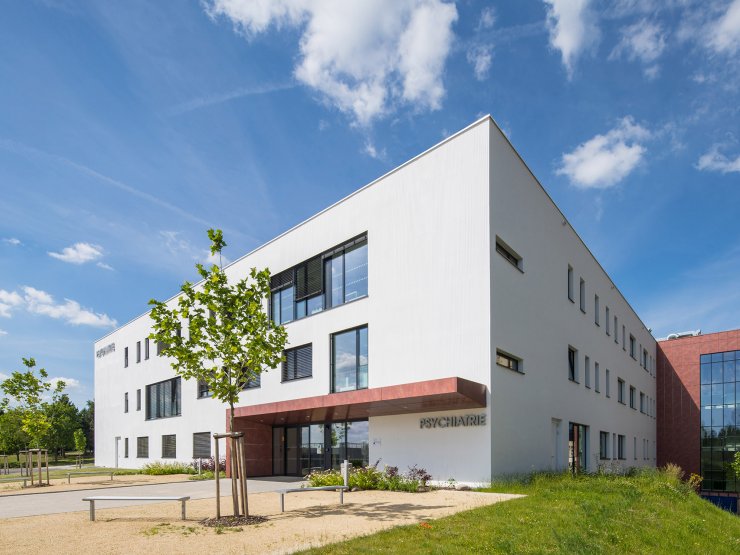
x=427, y=396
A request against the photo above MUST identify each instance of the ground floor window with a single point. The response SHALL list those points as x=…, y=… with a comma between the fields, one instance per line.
x=577, y=447
x=169, y=446
x=299, y=450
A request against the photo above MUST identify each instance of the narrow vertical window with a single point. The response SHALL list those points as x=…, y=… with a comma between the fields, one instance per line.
x=603, y=445
x=616, y=330
x=587, y=372
x=572, y=364
x=138, y=399
x=596, y=310
x=125, y=448
x=607, y=322
x=624, y=333
x=632, y=347
x=642, y=402
x=633, y=401
x=349, y=360
x=138, y=352
x=620, y=390
x=125, y=402
x=634, y=448
x=125, y=357
x=570, y=284
x=621, y=454
x=582, y=289
x=146, y=348
x=608, y=386
x=597, y=378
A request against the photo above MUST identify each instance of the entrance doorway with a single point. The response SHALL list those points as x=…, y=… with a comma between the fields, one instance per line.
x=577, y=447
x=300, y=450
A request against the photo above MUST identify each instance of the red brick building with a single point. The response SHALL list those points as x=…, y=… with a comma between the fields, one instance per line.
x=698, y=392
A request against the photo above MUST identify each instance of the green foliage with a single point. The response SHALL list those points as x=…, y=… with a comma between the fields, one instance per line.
x=27, y=389
x=63, y=419
x=651, y=512
x=736, y=463
x=12, y=436
x=229, y=338
x=80, y=440
x=87, y=421
x=207, y=475
x=369, y=478
x=322, y=478
x=165, y=468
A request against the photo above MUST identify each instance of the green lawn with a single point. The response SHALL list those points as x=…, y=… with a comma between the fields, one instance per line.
x=652, y=512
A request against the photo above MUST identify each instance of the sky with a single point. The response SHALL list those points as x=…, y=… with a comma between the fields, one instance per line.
x=127, y=129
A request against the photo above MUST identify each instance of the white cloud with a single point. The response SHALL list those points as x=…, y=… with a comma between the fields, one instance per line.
x=373, y=152
x=724, y=33
x=8, y=301
x=487, y=18
x=2, y=332
x=572, y=29
x=212, y=99
x=12, y=241
x=69, y=383
x=79, y=253
x=605, y=160
x=41, y=302
x=366, y=58
x=714, y=160
x=480, y=58
x=104, y=266
x=644, y=41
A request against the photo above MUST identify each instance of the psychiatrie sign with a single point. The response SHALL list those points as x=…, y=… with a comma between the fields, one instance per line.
x=453, y=421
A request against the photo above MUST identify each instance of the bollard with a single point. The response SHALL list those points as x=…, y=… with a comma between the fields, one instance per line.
x=345, y=472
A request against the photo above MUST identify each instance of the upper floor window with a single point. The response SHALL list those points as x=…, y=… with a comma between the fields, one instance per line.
x=570, y=284
x=624, y=334
x=335, y=277
x=632, y=347
x=607, y=379
x=163, y=399
x=125, y=402
x=620, y=390
x=508, y=361
x=606, y=321
x=596, y=310
x=298, y=363
x=508, y=253
x=632, y=398
x=203, y=389
x=587, y=372
x=146, y=348
x=597, y=377
x=583, y=295
x=125, y=357
x=138, y=399
x=349, y=360
x=642, y=402
x=645, y=359
x=138, y=351
x=572, y=364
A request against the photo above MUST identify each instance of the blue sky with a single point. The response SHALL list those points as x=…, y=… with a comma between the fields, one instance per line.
x=127, y=129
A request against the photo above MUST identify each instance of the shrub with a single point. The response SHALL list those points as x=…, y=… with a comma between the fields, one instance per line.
x=321, y=478
x=369, y=478
x=207, y=475
x=164, y=468
x=209, y=464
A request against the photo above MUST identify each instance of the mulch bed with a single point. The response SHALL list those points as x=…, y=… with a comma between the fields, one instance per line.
x=229, y=521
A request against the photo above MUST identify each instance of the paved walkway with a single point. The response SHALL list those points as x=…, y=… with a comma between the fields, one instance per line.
x=12, y=506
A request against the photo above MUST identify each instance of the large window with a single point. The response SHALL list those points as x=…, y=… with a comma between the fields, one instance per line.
x=349, y=360
x=163, y=399
x=297, y=363
x=169, y=446
x=142, y=447
x=333, y=278
x=720, y=419
x=201, y=445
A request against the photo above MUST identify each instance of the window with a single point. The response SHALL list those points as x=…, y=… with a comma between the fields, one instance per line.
x=146, y=348
x=125, y=402
x=607, y=321
x=633, y=399
x=125, y=448
x=169, y=446
x=203, y=390
x=125, y=357
x=508, y=253
x=616, y=330
x=645, y=359
x=583, y=295
x=572, y=364
x=138, y=399
x=634, y=448
x=614, y=446
x=138, y=352
x=298, y=363
x=253, y=383
x=642, y=402
x=160, y=347
x=142, y=447
x=620, y=390
x=608, y=384
x=335, y=277
x=621, y=455
x=163, y=399
x=570, y=284
x=603, y=445
x=508, y=361
x=597, y=377
x=596, y=310
x=587, y=371
x=632, y=347
x=201, y=445
x=349, y=360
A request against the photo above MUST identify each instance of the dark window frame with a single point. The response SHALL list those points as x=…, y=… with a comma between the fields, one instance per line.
x=142, y=441
x=573, y=364
x=178, y=392
x=358, y=366
x=125, y=448
x=138, y=352
x=146, y=348
x=138, y=399
x=125, y=357
x=293, y=357
x=198, y=444
x=125, y=402
x=509, y=254
x=510, y=362
x=604, y=446
x=620, y=391
x=166, y=439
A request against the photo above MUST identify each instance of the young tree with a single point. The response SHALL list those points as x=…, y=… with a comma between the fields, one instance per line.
x=80, y=440
x=87, y=421
x=230, y=338
x=28, y=390
x=63, y=420
x=12, y=436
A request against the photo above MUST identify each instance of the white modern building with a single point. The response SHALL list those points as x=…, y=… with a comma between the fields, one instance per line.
x=445, y=315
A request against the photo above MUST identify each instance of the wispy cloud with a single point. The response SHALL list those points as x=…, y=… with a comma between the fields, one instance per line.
x=644, y=41
x=12, y=241
x=605, y=160
x=219, y=98
x=365, y=58
x=37, y=301
x=480, y=58
x=573, y=29
x=373, y=152
x=179, y=247
x=715, y=161
x=724, y=33
x=3, y=332
x=79, y=253
x=104, y=266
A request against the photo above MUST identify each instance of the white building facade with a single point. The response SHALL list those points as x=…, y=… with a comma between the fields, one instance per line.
x=446, y=315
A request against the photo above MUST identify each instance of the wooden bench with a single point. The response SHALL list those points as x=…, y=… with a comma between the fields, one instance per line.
x=282, y=493
x=92, y=501
x=101, y=473
x=23, y=479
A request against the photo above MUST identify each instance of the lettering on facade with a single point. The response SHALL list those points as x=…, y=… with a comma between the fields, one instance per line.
x=452, y=421
x=100, y=353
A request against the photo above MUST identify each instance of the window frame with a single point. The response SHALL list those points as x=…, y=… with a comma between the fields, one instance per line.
x=603, y=446
x=571, y=285
x=332, y=367
x=138, y=447
x=620, y=391
x=596, y=311
x=148, y=388
x=146, y=348
x=284, y=370
x=509, y=254
x=174, y=453
x=509, y=361
x=573, y=364
x=582, y=295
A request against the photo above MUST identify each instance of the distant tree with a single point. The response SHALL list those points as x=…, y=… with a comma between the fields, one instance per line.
x=230, y=338
x=12, y=436
x=87, y=422
x=63, y=421
x=27, y=390
x=80, y=440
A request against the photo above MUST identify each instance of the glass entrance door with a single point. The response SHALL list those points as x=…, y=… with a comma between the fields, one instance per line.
x=577, y=447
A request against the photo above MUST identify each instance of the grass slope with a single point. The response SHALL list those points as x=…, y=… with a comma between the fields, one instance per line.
x=652, y=512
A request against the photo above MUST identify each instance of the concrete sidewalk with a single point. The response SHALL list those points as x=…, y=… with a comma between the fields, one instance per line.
x=12, y=506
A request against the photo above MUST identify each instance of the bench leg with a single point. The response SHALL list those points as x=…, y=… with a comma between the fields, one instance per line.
x=282, y=502
x=183, y=510
x=92, y=511
x=341, y=497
